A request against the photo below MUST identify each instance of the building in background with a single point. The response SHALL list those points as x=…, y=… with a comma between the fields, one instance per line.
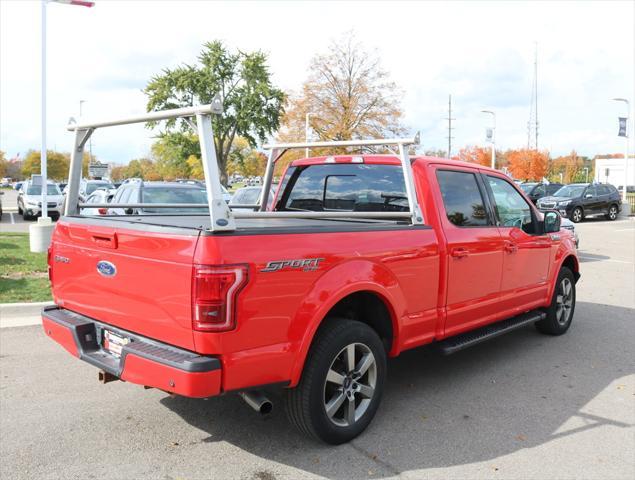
x=611, y=170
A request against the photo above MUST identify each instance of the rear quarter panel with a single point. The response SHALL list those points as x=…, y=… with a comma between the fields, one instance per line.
x=279, y=312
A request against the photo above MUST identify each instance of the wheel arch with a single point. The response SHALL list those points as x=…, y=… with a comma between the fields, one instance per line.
x=378, y=291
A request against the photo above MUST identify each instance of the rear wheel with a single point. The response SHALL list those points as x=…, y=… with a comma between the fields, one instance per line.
x=342, y=382
x=612, y=213
x=560, y=312
x=577, y=215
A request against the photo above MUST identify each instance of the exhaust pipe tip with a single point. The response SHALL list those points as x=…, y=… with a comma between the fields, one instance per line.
x=258, y=402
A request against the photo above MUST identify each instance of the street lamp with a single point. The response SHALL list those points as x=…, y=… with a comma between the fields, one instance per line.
x=628, y=110
x=40, y=233
x=493, y=140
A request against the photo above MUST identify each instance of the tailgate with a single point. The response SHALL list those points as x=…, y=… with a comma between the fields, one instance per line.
x=136, y=280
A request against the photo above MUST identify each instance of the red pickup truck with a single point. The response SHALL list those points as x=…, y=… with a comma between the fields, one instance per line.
x=314, y=304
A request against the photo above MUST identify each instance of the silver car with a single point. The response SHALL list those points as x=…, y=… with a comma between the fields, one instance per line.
x=102, y=195
x=30, y=200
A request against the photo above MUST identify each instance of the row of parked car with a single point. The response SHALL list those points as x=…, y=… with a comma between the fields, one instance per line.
x=576, y=201
x=127, y=192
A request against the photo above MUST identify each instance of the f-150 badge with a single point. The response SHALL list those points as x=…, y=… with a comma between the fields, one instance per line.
x=306, y=264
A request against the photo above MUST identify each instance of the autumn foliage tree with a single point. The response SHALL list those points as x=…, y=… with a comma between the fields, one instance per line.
x=474, y=154
x=528, y=164
x=347, y=95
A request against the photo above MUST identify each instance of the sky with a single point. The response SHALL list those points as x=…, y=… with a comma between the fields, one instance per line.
x=480, y=52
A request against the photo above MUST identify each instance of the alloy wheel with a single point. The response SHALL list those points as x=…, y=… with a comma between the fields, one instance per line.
x=564, y=301
x=350, y=384
x=613, y=212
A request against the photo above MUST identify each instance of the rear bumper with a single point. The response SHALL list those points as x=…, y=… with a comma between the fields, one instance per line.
x=143, y=361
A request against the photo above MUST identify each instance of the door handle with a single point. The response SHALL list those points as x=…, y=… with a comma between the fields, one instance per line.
x=459, y=252
x=511, y=247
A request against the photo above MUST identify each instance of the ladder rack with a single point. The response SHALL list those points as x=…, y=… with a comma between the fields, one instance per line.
x=221, y=216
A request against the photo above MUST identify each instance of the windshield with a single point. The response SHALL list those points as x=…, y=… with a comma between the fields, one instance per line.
x=37, y=190
x=527, y=187
x=91, y=187
x=571, y=191
x=169, y=194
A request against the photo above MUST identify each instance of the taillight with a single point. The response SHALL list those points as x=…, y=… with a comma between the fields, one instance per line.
x=102, y=211
x=215, y=290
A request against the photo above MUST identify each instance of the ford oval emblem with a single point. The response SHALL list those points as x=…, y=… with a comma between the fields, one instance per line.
x=106, y=269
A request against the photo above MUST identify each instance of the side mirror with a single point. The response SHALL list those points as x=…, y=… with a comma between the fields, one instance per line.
x=588, y=195
x=552, y=221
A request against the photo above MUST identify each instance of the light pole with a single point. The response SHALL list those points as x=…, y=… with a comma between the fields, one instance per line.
x=493, y=141
x=306, y=133
x=40, y=237
x=628, y=111
x=90, y=140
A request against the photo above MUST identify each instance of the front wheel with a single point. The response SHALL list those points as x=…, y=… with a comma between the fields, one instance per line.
x=342, y=382
x=577, y=215
x=560, y=312
x=612, y=213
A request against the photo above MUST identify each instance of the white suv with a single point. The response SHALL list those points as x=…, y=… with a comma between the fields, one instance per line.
x=30, y=200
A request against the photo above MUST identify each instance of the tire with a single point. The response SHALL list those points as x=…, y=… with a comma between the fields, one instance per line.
x=577, y=215
x=328, y=380
x=612, y=212
x=560, y=312
x=25, y=217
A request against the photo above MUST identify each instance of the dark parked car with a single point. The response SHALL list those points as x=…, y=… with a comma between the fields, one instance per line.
x=580, y=200
x=535, y=190
x=139, y=191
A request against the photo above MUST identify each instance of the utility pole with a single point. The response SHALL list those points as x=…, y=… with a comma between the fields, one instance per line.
x=449, y=119
x=532, y=124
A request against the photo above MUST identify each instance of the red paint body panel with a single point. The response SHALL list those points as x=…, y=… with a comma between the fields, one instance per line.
x=189, y=384
x=61, y=335
x=429, y=293
x=151, y=292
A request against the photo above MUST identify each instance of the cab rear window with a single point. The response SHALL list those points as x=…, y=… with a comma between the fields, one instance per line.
x=344, y=187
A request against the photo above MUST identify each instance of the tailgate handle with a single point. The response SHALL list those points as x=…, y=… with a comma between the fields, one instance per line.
x=106, y=240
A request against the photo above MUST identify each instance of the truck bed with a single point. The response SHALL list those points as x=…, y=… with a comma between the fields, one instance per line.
x=195, y=224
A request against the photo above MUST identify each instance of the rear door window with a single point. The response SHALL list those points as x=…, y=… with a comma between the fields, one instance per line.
x=345, y=187
x=462, y=199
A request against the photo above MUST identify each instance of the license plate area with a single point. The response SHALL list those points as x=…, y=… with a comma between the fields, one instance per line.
x=113, y=343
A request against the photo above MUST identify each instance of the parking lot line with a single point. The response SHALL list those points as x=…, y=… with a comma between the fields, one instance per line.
x=625, y=230
x=12, y=219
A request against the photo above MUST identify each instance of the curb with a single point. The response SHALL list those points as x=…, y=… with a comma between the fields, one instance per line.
x=15, y=310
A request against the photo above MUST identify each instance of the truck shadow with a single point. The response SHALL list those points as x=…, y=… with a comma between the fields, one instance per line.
x=518, y=391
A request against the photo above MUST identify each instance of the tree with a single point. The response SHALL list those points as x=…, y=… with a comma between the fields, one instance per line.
x=528, y=164
x=570, y=166
x=347, y=96
x=4, y=165
x=57, y=164
x=252, y=104
x=474, y=154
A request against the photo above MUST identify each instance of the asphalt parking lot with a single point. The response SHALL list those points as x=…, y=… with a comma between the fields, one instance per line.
x=522, y=406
